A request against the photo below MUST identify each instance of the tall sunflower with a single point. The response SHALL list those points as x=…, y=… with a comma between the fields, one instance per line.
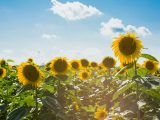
x=75, y=64
x=127, y=47
x=108, y=62
x=151, y=66
x=59, y=66
x=2, y=72
x=100, y=114
x=29, y=74
x=84, y=63
x=84, y=75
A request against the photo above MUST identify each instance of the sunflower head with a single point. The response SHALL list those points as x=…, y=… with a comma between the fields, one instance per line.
x=151, y=66
x=30, y=60
x=100, y=114
x=75, y=64
x=108, y=62
x=84, y=63
x=2, y=62
x=94, y=64
x=29, y=74
x=2, y=72
x=127, y=47
x=84, y=75
x=59, y=66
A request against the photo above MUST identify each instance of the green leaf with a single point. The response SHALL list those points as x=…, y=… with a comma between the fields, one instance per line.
x=142, y=72
x=154, y=93
x=18, y=113
x=3, y=107
x=148, y=56
x=52, y=104
x=120, y=71
x=24, y=88
x=122, y=90
x=29, y=100
x=10, y=60
x=131, y=72
x=48, y=88
x=89, y=108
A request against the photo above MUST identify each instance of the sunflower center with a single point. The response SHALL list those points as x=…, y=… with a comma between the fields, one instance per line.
x=60, y=65
x=31, y=73
x=101, y=114
x=84, y=62
x=149, y=65
x=75, y=65
x=84, y=75
x=93, y=64
x=1, y=71
x=108, y=62
x=127, y=46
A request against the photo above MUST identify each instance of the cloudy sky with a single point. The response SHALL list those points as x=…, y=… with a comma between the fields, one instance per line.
x=44, y=29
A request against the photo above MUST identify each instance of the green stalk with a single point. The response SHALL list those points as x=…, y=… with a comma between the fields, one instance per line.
x=36, y=111
x=109, y=73
x=137, y=92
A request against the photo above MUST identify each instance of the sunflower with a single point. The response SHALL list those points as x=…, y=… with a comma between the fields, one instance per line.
x=84, y=75
x=59, y=66
x=108, y=62
x=30, y=60
x=151, y=66
x=94, y=64
x=100, y=114
x=127, y=47
x=2, y=72
x=84, y=63
x=75, y=64
x=29, y=74
x=2, y=62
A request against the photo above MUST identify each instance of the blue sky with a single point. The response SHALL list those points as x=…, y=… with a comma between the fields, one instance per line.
x=44, y=29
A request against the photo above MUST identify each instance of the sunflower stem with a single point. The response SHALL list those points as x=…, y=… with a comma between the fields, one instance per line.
x=137, y=92
x=126, y=76
x=75, y=82
x=109, y=73
x=36, y=111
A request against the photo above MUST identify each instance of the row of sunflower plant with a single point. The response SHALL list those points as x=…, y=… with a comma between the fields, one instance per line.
x=82, y=89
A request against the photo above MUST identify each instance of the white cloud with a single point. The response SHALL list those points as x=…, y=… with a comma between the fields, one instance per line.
x=115, y=26
x=143, y=31
x=48, y=36
x=74, y=10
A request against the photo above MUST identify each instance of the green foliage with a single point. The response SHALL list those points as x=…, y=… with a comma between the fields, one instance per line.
x=18, y=113
x=148, y=56
x=122, y=90
x=66, y=97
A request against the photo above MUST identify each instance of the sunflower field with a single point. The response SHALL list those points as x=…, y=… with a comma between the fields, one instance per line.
x=64, y=89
